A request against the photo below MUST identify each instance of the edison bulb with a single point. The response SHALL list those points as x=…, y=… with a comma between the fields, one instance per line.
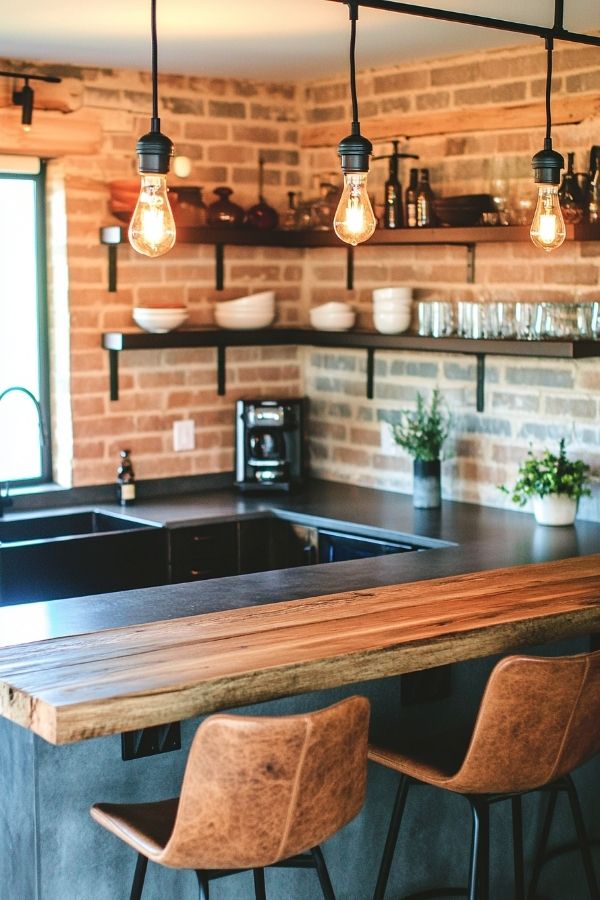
x=548, y=226
x=354, y=220
x=152, y=227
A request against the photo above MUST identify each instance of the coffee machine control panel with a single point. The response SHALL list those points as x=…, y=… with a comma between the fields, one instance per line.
x=269, y=444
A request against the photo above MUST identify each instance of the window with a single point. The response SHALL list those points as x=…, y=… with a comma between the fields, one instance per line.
x=24, y=439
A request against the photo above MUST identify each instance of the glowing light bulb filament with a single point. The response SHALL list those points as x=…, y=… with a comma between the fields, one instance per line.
x=152, y=227
x=354, y=220
x=548, y=226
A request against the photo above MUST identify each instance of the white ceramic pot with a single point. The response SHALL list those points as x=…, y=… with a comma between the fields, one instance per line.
x=554, y=509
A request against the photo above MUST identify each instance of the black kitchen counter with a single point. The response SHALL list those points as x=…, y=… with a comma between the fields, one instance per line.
x=474, y=538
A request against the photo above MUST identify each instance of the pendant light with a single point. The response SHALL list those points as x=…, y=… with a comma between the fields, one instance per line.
x=152, y=227
x=354, y=220
x=548, y=227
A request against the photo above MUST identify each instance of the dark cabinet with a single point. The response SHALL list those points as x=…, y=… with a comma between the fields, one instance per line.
x=200, y=552
x=268, y=544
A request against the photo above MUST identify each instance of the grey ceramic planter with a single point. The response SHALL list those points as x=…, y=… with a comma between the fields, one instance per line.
x=427, y=492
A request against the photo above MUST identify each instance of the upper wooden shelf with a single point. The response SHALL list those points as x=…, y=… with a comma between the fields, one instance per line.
x=465, y=236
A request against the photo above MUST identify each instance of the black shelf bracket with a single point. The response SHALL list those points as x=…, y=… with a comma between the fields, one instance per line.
x=370, y=373
x=221, y=369
x=113, y=368
x=111, y=236
x=480, y=402
x=350, y=268
x=219, y=266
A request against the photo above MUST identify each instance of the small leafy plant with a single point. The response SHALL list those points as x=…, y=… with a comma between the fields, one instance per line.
x=422, y=432
x=550, y=474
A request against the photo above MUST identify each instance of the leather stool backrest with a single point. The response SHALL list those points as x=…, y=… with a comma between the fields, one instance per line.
x=539, y=719
x=260, y=789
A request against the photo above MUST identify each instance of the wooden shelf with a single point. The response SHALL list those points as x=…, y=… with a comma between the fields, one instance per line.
x=116, y=341
x=247, y=237
x=113, y=235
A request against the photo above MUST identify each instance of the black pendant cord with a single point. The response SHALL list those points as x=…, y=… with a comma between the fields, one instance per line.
x=155, y=118
x=549, y=48
x=353, y=11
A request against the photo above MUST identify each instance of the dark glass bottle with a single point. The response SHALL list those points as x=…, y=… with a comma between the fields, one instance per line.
x=411, y=199
x=592, y=194
x=392, y=211
x=425, y=215
x=569, y=195
x=125, y=480
x=224, y=211
x=261, y=215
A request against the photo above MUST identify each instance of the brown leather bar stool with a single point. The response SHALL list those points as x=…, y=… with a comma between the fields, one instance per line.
x=538, y=721
x=257, y=791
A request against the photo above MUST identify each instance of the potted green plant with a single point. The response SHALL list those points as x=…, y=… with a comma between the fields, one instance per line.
x=422, y=432
x=554, y=484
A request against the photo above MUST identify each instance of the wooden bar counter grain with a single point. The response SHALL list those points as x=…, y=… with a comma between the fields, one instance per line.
x=72, y=688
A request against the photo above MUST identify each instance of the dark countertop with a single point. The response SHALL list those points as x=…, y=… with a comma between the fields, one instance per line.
x=482, y=538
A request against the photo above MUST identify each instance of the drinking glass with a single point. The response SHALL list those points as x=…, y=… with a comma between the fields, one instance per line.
x=506, y=316
x=525, y=319
x=595, y=320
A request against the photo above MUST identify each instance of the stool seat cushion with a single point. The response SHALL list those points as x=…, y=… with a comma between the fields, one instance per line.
x=146, y=827
x=434, y=761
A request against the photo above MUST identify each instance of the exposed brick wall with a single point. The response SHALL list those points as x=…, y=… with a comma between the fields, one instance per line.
x=527, y=400
x=223, y=125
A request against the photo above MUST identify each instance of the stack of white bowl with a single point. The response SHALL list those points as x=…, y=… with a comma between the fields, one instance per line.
x=333, y=316
x=253, y=311
x=392, y=309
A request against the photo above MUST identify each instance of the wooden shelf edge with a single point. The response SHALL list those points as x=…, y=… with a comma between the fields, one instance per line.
x=208, y=337
x=478, y=234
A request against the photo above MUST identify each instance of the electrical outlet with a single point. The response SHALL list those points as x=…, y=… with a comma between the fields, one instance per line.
x=387, y=443
x=184, y=437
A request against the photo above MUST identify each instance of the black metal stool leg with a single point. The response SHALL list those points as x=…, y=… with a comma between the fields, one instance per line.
x=203, y=884
x=479, y=870
x=392, y=838
x=321, y=867
x=541, y=850
x=259, y=884
x=582, y=837
x=517, y=827
x=138, y=877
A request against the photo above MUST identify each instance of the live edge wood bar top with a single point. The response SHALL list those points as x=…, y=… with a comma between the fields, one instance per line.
x=72, y=688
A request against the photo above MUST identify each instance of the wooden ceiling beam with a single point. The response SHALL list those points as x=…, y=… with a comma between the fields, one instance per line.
x=52, y=134
x=566, y=110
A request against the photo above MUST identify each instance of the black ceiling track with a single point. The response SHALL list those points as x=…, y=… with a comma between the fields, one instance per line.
x=556, y=30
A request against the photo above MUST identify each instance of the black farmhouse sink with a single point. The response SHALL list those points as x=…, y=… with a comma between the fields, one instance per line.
x=76, y=553
x=40, y=528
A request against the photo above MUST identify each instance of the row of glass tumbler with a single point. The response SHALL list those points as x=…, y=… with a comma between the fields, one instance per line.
x=524, y=321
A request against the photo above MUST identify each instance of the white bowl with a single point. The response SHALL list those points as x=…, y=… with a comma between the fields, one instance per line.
x=263, y=300
x=242, y=319
x=391, y=322
x=159, y=320
x=393, y=293
x=332, y=320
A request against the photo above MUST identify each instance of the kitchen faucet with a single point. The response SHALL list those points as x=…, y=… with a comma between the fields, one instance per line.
x=5, y=499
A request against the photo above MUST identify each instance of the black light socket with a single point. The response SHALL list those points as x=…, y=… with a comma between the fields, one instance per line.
x=24, y=98
x=154, y=151
x=355, y=151
x=547, y=164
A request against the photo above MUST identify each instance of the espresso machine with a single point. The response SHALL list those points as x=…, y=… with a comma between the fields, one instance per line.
x=269, y=444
